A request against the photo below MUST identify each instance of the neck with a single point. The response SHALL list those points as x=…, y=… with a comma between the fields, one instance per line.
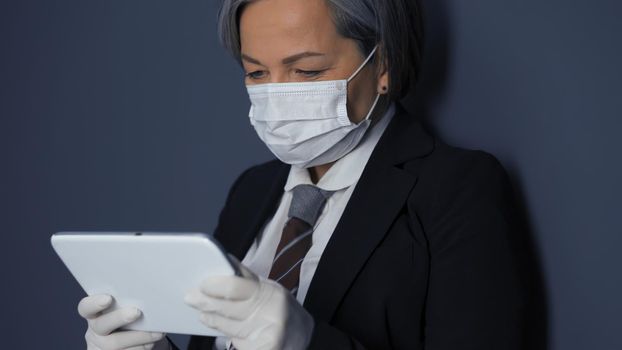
x=318, y=171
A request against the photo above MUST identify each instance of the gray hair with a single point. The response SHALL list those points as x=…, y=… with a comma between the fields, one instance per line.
x=397, y=25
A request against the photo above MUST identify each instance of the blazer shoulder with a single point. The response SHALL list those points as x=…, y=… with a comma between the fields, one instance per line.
x=449, y=165
x=450, y=174
x=251, y=187
x=257, y=178
x=463, y=197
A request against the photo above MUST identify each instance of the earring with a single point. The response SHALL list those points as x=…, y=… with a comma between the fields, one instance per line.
x=384, y=88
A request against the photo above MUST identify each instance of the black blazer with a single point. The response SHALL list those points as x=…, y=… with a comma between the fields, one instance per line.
x=422, y=258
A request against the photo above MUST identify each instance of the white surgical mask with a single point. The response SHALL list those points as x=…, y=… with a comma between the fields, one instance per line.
x=307, y=124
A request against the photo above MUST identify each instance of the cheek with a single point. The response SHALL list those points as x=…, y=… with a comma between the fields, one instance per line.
x=361, y=94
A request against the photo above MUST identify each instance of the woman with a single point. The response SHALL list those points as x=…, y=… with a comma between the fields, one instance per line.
x=367, y=232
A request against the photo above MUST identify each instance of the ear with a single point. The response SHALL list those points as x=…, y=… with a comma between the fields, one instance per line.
x=382, y=72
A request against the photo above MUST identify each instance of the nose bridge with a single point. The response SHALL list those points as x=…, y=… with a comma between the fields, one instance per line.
x=279, y=75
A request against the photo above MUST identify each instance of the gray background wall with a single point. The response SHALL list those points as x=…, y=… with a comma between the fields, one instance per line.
x=122, y=115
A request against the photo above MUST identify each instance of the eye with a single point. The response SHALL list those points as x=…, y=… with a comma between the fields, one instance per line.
x=309, y=73
x=258, y=74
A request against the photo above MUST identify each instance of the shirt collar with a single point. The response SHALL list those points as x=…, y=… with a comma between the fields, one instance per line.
x=348, y=169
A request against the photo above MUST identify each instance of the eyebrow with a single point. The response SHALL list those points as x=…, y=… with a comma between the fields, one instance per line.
x=286, y=60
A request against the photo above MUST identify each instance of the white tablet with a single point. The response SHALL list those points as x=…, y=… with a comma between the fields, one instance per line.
x=148, y=270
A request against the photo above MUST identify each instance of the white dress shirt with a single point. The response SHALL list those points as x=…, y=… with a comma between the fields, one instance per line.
x=341, y=178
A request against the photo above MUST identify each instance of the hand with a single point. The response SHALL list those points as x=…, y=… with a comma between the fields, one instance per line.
x=254, y=312
x=101, y=334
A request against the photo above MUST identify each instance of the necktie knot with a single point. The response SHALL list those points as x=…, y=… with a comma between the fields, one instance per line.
x=308, y=202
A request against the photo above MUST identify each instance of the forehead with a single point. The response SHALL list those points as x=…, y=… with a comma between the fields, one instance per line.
x=278, y=27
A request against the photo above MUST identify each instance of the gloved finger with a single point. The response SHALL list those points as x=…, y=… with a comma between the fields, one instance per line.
x=126, y=339
x=236, y=309
x=196, y=299
x=91, y=347
x=107, y=323
x=229, y=327
x=89, y=344
x=238, y=330
x=91, y=340
x=142, y=347
x=246, y=272
x=138, y=339
x=133, y=340
x=229, y=287
x=92, y=305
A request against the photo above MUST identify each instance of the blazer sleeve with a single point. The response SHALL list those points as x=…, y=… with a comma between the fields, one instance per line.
x=325, y=336
x=475, y=298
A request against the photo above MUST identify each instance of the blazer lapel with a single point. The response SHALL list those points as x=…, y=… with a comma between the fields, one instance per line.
x=375, y=202
x=266, y=205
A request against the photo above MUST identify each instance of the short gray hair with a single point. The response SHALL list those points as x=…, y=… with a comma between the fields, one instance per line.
x=395, y=24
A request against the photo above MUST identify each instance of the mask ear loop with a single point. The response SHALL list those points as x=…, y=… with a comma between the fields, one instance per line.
x=371, y=54
x=371, y=110
x=373, y=106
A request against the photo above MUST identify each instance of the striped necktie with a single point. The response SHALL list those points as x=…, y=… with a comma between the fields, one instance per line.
x=304, y=210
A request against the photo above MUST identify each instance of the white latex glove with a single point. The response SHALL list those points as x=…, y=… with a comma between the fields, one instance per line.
x=101, y=334
x=255, y=312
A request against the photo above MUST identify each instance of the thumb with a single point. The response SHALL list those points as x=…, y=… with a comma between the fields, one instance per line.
x=244, y=271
